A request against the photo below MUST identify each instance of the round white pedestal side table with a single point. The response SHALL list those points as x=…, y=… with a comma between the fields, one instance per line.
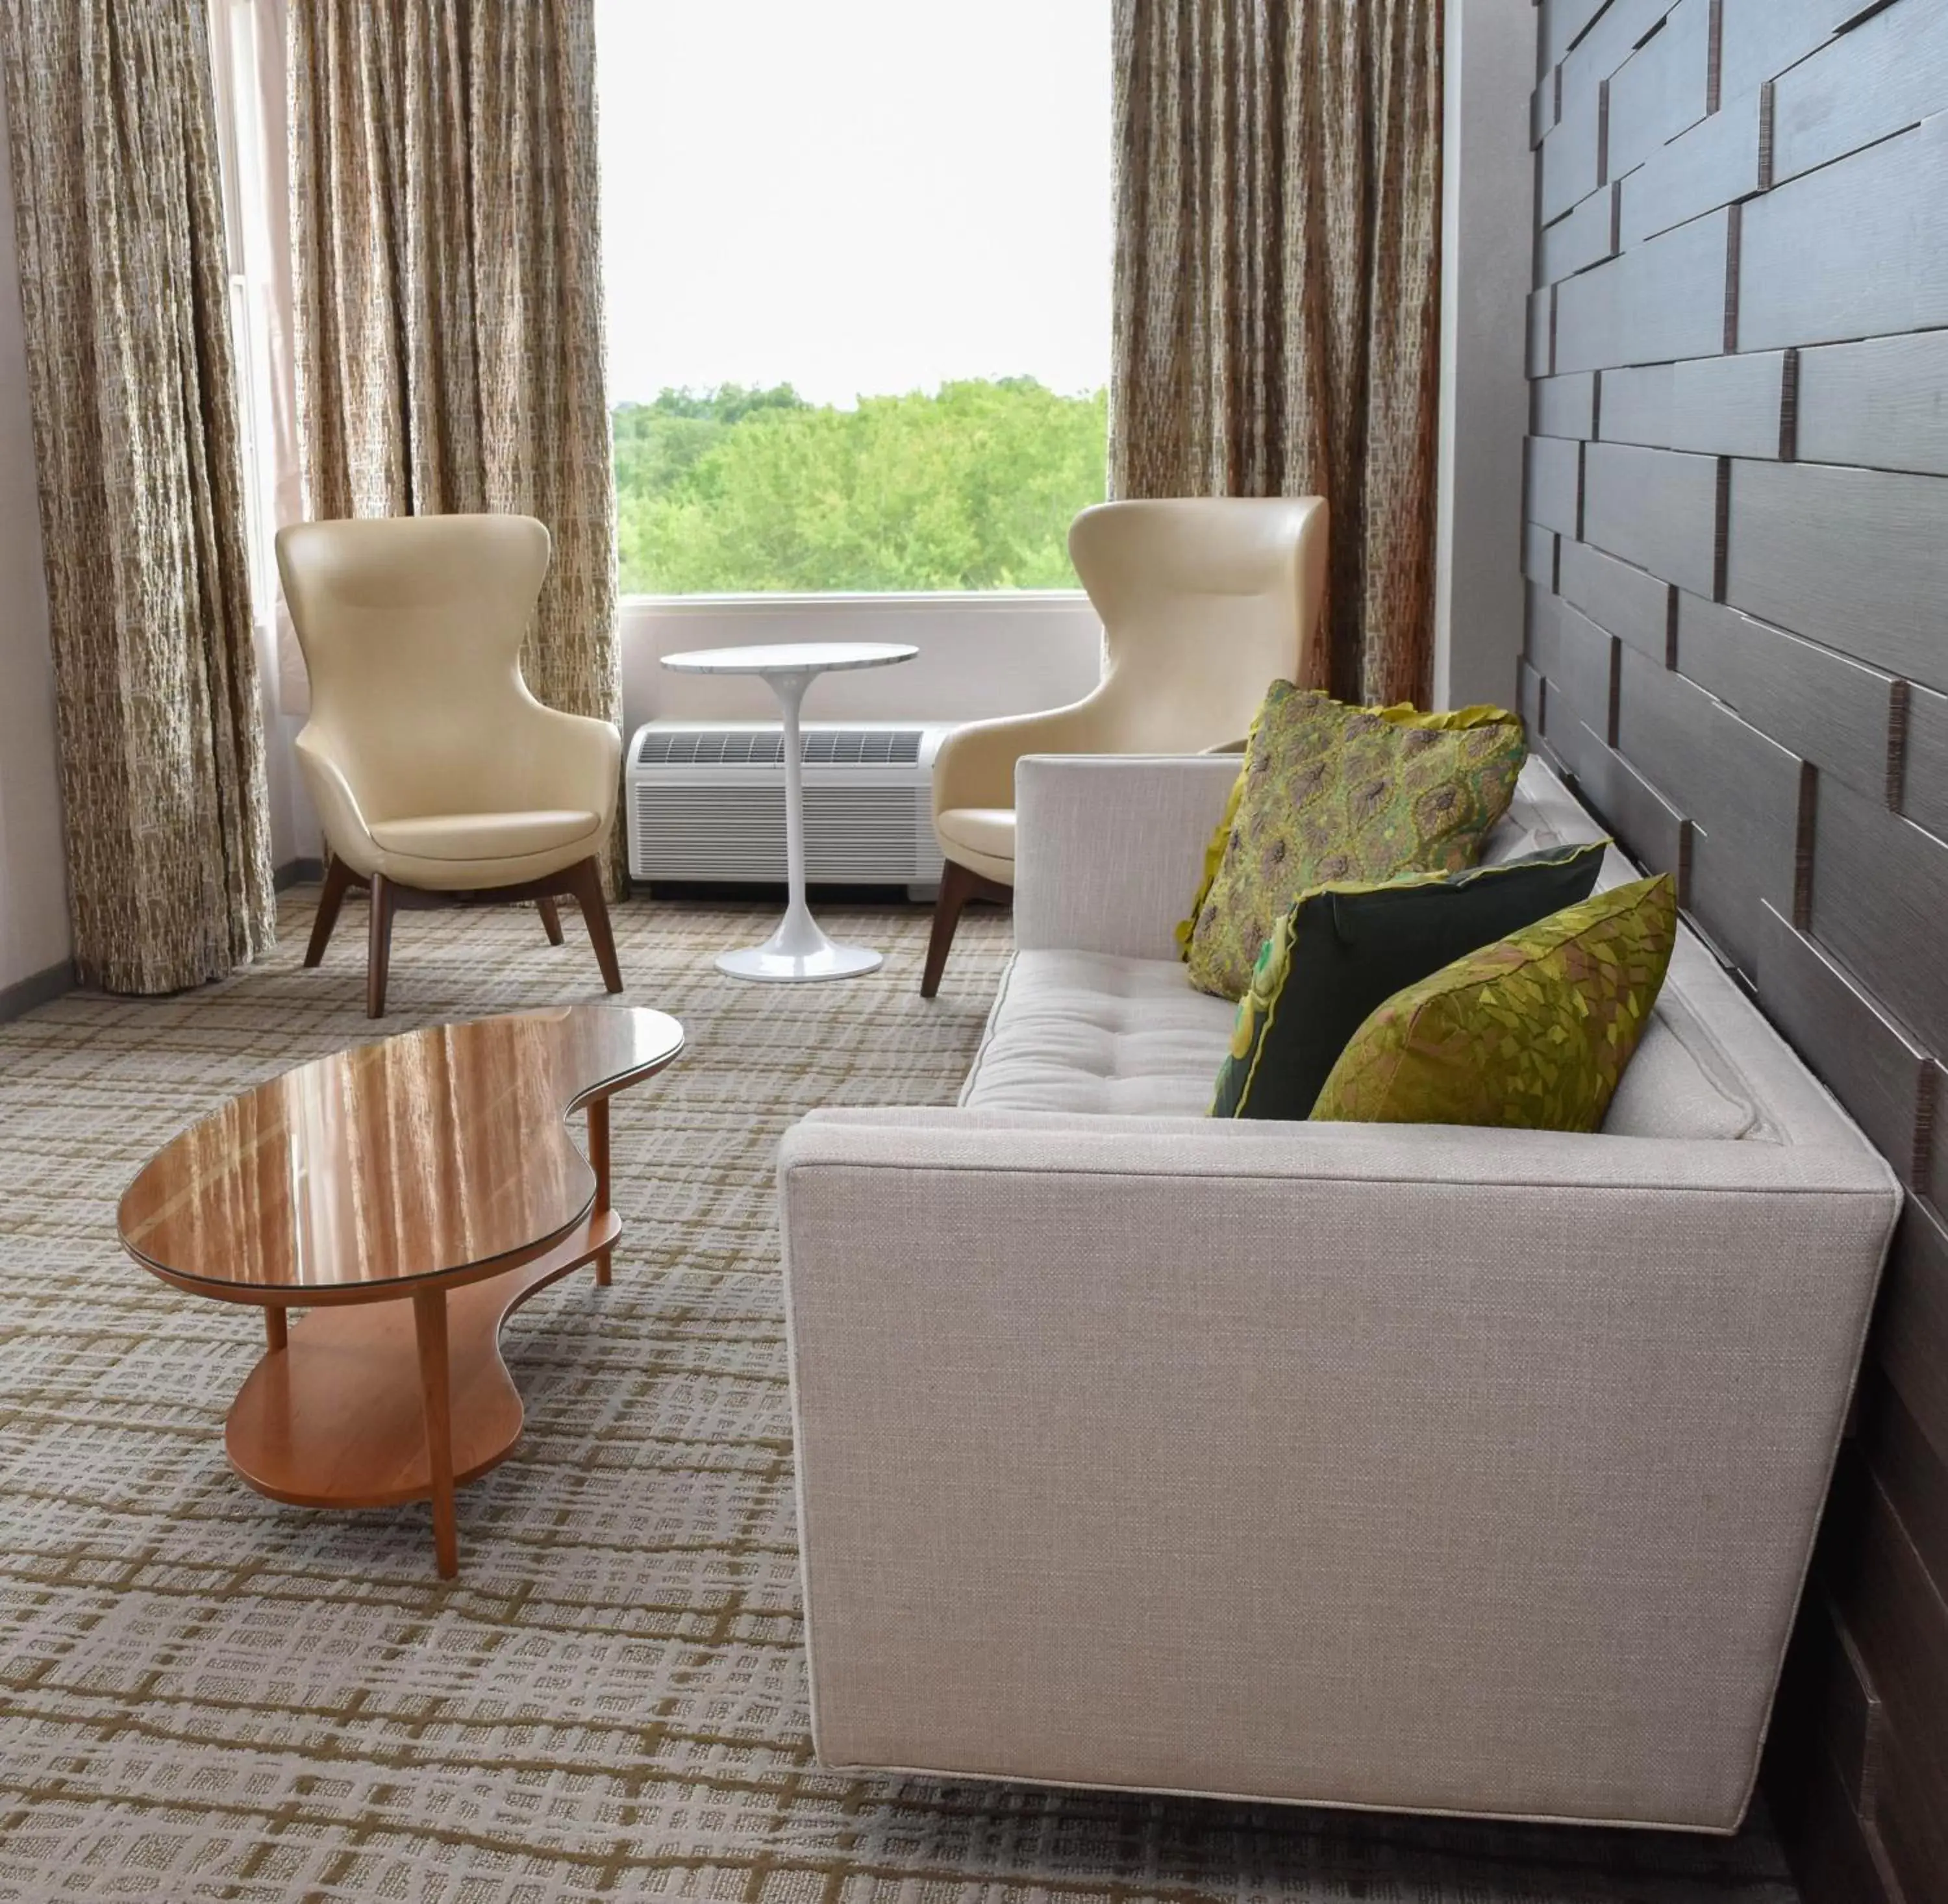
x=798, y=951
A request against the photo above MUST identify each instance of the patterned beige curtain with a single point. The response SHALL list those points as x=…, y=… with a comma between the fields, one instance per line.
x=123, y=284
x=446, y=237
x=1278, y=220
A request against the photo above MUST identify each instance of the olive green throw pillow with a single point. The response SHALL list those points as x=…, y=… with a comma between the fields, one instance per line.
x=1331, y=792
x=1341, y=950
x=1531, y=1033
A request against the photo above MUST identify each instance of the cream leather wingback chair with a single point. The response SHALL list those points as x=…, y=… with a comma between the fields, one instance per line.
x=1206, y=601
x=439, y=777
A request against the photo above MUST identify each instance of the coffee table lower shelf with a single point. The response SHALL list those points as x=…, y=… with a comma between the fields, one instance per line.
x=351, y=1409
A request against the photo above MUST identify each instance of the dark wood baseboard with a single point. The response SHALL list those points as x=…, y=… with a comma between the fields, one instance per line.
x=37, y=989
x=297, y=873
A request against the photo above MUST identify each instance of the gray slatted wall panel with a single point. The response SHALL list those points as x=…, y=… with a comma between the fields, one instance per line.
x=1738, y=646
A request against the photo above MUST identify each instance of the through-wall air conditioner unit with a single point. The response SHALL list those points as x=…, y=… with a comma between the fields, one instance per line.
x=706, y=801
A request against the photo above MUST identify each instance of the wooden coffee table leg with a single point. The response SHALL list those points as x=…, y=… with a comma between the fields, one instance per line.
x=276, y=1328
x=598, y=1161
x=436, y=1397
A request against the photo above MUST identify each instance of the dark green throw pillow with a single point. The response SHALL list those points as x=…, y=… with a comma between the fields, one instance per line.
x=1341, y=950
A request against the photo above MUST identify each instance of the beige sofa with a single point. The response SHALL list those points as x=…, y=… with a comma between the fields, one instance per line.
x=1409, y=1467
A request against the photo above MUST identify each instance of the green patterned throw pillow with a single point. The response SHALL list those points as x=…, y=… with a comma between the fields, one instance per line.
x=1330, y=792
x=1531, y=1033
x=1341, y=950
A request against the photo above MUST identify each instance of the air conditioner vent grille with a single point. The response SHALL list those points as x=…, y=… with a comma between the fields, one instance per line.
x=738, y=832
x=755, y=747
x=706, y=802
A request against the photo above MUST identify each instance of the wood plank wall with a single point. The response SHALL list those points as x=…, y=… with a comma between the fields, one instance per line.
x=1737, y=645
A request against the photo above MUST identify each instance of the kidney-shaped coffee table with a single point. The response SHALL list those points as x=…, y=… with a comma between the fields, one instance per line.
x=409, y=1194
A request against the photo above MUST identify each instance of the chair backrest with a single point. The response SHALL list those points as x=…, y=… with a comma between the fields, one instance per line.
x=1206, y=601
x=411, y=629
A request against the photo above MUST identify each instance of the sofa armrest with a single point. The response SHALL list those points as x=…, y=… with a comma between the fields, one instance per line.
x=1109, y=848
x=1419, y=1165
x=1420, y=1468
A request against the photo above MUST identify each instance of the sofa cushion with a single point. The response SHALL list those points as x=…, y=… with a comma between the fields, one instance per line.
x=1092, y=1033
x=1341, y=951
x=1679, y=1085
x=1532, y=1033
x=1534, y=822
x=1710, y=1065
x=1331, y=792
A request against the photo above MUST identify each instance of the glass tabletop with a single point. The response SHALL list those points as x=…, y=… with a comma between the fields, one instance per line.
x=423, y=1155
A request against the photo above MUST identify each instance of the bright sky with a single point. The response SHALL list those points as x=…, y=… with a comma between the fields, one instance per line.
x=856, y=197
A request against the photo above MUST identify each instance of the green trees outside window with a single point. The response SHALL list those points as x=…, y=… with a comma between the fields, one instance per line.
x=739, y=490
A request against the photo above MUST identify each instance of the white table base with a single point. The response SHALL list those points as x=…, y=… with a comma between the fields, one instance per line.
x=770, y=964
x=798, y=952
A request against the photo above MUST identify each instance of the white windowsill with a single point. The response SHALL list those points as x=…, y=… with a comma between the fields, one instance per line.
x=981, y=600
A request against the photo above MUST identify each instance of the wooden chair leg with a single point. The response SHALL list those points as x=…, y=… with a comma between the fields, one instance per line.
x=551, y=920
x=957, y=885
x=379, y=945
x=337, y=883
x=585, y=880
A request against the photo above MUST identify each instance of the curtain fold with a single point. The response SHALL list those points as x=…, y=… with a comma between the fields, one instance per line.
x=446, y=239
x=125, y=293
x=1276, y=290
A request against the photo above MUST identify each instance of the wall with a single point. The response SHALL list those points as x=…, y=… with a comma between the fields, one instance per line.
x=1487, y=239
x=34, y=942
x=980, y=655
x=297, y=841
x=1736, y=547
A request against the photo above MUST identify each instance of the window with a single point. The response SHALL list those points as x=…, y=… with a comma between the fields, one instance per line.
x=857, y=268
x=232, y=27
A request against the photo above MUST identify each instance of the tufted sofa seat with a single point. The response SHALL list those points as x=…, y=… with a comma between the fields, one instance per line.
x=1100, y=1032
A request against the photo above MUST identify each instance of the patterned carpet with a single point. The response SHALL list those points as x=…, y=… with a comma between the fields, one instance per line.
x=206, y=1695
